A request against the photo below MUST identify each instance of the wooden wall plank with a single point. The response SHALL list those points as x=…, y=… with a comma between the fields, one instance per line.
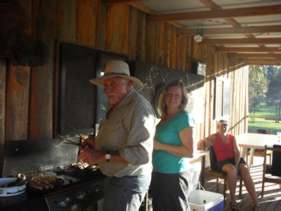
x=189, y=52
x=162, y=44
x=184, y=54
x=173, y=48
x=41, y=106
x=66, y=20
x=117, y=28
x=3, y=67
x=101, y=24
x=86, y=22
x=133, y=33
x=141, y=38
x=18, y=79
x=150, y=42
x=169, y=45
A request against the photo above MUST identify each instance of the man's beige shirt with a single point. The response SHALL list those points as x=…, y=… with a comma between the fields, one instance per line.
x=128, y=129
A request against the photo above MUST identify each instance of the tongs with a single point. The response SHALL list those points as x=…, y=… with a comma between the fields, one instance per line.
x=67, y=141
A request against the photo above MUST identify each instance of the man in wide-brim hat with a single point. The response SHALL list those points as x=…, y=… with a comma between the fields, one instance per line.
x=124, y=144
x=117, y=68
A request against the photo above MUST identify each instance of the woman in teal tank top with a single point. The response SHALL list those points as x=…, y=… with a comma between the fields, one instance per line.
x=173, y=145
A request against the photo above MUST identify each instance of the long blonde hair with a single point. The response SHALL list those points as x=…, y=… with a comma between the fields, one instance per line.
x=162, y=107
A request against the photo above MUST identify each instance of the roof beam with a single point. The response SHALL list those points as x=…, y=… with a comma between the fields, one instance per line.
x=261, y=55
x=120, y=1
x=237, y=12
x=248, y=49
x=241, y=30
x=243, y=41
x=262, y=62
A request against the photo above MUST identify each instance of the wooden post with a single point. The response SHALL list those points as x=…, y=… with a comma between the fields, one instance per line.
x=3, y=67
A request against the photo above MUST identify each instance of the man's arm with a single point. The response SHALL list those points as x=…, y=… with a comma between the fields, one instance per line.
x=141, y=127
x=206, y=143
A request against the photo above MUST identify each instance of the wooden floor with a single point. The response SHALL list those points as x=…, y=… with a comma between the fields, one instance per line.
x=272, y=195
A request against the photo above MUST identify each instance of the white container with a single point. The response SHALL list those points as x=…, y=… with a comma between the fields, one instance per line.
x=201, y=200
x=10, y=191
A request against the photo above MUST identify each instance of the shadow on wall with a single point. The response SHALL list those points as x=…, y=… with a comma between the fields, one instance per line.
x=156, y=77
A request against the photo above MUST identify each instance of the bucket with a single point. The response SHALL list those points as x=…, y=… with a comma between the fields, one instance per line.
x=201, y=200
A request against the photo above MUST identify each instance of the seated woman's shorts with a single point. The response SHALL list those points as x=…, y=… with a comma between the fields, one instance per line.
x=220, y=164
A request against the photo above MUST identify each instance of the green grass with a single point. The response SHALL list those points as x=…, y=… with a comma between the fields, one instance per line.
x=261, y=123
x=265, y=112
x=264, y=118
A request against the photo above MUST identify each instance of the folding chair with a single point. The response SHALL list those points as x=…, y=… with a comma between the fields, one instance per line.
x=272, y=173
x=213, y=172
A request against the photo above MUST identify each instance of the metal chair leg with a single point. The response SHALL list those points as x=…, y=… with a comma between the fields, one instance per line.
x=224, y=188
x=240, y=187
x=262, y=188
x=217, y=184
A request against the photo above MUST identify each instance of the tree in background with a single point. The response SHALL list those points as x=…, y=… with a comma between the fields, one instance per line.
x=257, y=86
x=274, y=89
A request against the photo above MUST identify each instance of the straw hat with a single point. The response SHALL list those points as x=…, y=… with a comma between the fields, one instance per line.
x=117, y=68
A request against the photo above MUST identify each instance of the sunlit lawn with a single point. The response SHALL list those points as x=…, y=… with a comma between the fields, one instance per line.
x=261, y=123
x=264, y=118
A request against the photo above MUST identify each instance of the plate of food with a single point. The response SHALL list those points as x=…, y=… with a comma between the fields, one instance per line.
x=44, y=183
x=12, y=186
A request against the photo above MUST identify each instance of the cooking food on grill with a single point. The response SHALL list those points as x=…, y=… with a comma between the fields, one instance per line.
x=45, y=182
x=80, y=165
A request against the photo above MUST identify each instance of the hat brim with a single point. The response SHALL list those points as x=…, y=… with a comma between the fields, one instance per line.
x=99, y=81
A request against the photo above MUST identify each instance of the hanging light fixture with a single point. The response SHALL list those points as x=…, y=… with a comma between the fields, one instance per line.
x=198, y=37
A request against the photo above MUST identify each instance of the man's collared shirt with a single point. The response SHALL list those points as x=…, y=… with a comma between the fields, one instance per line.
x=129, y=129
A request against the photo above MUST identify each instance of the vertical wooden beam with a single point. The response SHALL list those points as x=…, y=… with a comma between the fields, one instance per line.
x=141, y=38
x=101, y=24
x=18, y=87
x=246, y=105
x=3, y=67
x=173, y=49
x=66, y=20
x=161, y=44
x=86, y=22
x=168, y=45
x=18, y=78
x=150, y=42
x=189, y=52
x=133, y=33
x=117, y=29
x=41, y=101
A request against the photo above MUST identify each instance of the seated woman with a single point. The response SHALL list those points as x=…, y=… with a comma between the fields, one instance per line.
x=229, y=161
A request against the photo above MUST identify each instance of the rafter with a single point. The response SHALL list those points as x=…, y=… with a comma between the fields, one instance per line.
x=227, y=13
x=249, y=49
x=120, y=1
x=262, y=62
x=243, y=41
x=237, y=30
x=260, y=55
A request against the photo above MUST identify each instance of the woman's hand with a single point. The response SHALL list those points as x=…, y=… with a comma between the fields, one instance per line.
x=156, y=145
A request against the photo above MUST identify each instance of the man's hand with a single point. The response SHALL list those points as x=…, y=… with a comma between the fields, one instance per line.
x=88, y=141
x=201, y=145
x=88, y=155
